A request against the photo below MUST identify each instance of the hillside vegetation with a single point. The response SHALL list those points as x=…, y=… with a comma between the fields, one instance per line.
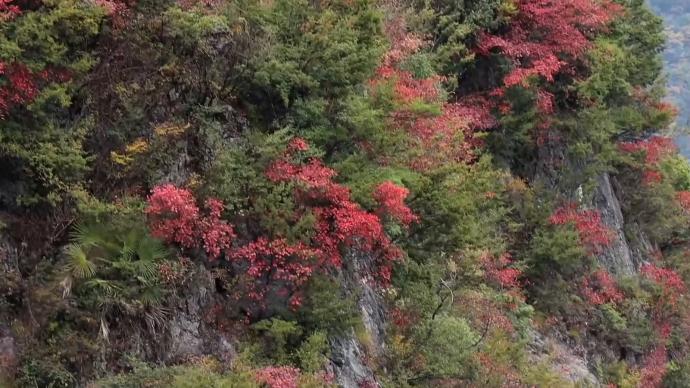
x=357, y=193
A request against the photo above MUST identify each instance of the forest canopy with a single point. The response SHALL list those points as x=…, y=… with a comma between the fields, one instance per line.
x=357, y=193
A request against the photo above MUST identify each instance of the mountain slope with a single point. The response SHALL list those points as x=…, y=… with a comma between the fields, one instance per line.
x=339, y=193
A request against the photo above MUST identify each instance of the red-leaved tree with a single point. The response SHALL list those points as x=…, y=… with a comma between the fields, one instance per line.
x=278, y=377
x=544, y=38
x=20, y=85
x=499, y=270
x=175, y=218
x=391, y=200
x=447, y=134
x=654, y=150
x=683, y=198
x=600, y=288
x=671, y=284
x=340, y=223
x=594, y=235
x=275, y=268
x=654, y=367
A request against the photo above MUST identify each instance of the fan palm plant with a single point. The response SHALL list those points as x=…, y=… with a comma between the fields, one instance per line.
x=113, y=267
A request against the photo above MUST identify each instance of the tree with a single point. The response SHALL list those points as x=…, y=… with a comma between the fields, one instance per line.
x=45, y=49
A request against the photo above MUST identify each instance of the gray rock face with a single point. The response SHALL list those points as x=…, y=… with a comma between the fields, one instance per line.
x=217, y=133
x=641, y=248
x=8, y=353
x=563, y=361
x=617, y=258
x=8, y=256
x=348, y=363
x=186, y=334
x=627, y=251
x=10, y=279
x=349, y=356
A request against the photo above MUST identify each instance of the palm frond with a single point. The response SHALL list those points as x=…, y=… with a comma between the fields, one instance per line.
x=151, y=297
x=150, y=249
x=87, y=235
x=127, y=253
x=105, y=287
x=146, y=270
x=156, y=318
x=79, y=264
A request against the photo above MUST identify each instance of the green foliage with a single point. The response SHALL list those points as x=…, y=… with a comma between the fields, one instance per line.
x=145, y=375
x=446, y=346
x=312, y=353
x=454, y=211
x=555, y=257
x=114, y=266
x=676, y=170
x=652, y=206
x=318, y=54
x=678, y=375
x=285, y=343
x=640, y=33
x=620, y=374
x=207, y=95
x=613, y=318
x=326, y=309
x=40, y=146
x=35, y=374
x=454, y=24
x=61, y=355
x=557, y=250
x=280, y=337
x=512, y=144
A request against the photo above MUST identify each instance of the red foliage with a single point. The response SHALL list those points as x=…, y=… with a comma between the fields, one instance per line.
x=276, y=261
x=404, y=319
x=366, y=383
x=601, y=288
x=476, y=109
x=118, y=10
x=671, y=283
x=276, y=268
x=594, y=235
x=8, y=11
x=484, y=311
x=173, y=215
x=173, y=273
x=19, y=84
x=391, y=200
x=407, y=88
x=683, y=198
x=278, y=377
x=297, y=145
x=438, y=138
x=545, y=39
x=443, y=138
x=650, y=177
x=545, y=102
x=493, y=365
x=654, y=368
x=312, y=174
x=339, y=221
x=546, y=67
x=655, y=149
x=175, y=218
x=498, y=271
x=20, y=87
x=403, y=43
x=545, y=35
